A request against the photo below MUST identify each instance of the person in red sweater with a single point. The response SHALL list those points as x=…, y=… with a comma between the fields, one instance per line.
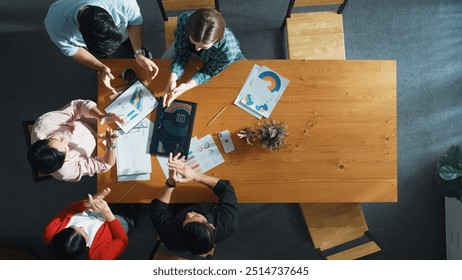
x=88, y=229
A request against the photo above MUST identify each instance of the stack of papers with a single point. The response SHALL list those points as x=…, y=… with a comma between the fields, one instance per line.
x=133, y=157
x=203, y=155
x=261, y=91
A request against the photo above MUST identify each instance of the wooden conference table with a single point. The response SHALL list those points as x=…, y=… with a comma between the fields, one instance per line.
x=341, y=118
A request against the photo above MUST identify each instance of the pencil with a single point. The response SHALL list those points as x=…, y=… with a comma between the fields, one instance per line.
x=216, y=116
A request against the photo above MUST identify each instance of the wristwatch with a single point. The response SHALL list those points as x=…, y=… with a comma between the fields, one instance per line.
x=170, y=185
x=140, y=51
x=111, y=148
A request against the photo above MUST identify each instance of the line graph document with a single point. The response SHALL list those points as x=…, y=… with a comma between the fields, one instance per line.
x=133, y=155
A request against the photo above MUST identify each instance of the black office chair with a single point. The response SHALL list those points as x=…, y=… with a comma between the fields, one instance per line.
x=160, y=252
x=27, y=128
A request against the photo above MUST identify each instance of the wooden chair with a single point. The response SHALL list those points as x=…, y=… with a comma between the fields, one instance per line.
x=180, y=5
x=160, y=252
x=27, y=127
x=314, y=35
x=339, y=230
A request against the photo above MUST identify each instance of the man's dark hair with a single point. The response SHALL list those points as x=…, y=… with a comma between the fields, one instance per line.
x=45, y=159
x=199, y=237
x=206, y=26
x=99, y=31
x=69, y=245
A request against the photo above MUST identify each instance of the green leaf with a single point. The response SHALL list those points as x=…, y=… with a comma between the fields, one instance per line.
x=449, y=173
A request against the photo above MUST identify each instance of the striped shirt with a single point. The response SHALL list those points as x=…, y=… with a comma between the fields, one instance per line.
x=216, y=58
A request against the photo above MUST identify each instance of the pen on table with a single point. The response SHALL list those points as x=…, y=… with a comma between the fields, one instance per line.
x=216, y=116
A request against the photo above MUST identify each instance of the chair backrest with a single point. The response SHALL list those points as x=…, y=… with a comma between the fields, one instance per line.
x=313, y=3
x=314, y=34
x=334, y=224
x=180, y=5
x=160, y=252
x=185, y=5
x=27, y=128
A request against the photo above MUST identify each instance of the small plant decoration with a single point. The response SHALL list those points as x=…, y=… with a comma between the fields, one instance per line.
x=449, y=173
x=272, y=134
x=248, y=134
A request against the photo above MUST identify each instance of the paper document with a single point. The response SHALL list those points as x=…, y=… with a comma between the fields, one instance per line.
x=203, y=155
x=133, y=105
x=261, y=91
x=133, y=157
x=245, y=88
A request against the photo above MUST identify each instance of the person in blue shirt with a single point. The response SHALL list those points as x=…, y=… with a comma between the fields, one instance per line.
x=86, y=30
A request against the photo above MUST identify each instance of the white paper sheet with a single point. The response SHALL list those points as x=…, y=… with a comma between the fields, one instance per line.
x=203, y=155
x=133, y=155
x=264, y=92
x=245, y=88
x=133, y=105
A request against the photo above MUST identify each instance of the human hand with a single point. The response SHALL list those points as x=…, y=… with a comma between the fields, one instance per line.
x=172, y=174
x=101, y=206
x=100, y=195
x=174, y=94
x=178, y=165
x=110, y=136
x=171, y=85
x=111, y=118
x=148, y=65
x=106, y=77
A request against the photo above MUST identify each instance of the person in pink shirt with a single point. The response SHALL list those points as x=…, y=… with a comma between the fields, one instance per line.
x=88, y=229
x=63, y=145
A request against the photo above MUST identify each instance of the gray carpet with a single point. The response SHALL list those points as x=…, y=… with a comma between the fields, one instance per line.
x=424, y=36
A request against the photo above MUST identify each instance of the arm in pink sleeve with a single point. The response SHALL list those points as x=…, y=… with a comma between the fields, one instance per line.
x=84, y=167
x=82, y=108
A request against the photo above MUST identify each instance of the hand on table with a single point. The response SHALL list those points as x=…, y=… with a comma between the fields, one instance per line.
x=178, y=165
x=110, y=136
x=148, y=65
x=169, y=97
x=106, y=77
x=111, y=118
x=171, y=85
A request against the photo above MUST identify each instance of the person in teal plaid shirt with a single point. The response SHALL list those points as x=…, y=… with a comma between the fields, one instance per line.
x=203, y=34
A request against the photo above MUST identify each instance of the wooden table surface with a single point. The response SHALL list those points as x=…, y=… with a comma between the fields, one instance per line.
x=341, y=118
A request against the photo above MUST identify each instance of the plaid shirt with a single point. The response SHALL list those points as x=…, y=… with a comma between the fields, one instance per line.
x=216, y=58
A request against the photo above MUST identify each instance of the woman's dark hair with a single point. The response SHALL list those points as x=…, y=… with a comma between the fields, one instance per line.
x=99, y=31
x=69, y=245
x=45, y=159
x=199, y=237
x=206, y=26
